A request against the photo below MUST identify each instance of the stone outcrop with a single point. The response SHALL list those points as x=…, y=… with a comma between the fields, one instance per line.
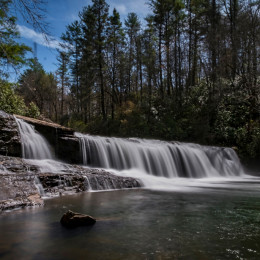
x=24, y=183
x=17, y=184
x=55, y=184
x=10, y=143
x=62, y=139
x=71, y=220
x=67, y=149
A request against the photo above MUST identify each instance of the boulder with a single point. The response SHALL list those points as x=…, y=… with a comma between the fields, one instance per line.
x=71, y=219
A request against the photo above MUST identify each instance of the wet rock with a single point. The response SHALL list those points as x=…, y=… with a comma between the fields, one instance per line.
x=51, y=131
x=35, y=200
x=10, y=142
x=22, y=183
x=21, y=202
x=71, y=220
x=68, y=149
x=62, y=139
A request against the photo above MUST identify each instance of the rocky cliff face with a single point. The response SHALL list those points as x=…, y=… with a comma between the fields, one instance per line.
x=10, y=143
x=25, y=183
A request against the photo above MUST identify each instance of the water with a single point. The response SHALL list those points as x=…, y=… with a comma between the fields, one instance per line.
x=140, y=224
x=197, y=204
x=34, y=145
x=39, y=187
x=158, y=158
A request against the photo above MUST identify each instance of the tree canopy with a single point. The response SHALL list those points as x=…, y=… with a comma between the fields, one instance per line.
x=189, y=71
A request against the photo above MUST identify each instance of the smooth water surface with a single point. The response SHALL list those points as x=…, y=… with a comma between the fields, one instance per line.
x=140, y=224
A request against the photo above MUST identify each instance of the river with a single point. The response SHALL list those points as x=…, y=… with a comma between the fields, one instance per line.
x=206, y=223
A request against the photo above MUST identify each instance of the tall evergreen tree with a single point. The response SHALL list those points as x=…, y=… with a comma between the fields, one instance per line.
x=115, y=44
x=95, y=19
x=62, y=72
x=72, y=42
x=132, y=25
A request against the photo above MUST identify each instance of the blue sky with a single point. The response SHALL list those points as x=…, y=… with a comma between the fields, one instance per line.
x=63, y=12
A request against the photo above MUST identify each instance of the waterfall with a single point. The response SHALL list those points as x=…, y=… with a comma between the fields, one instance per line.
x=39, y=187
x=34, y=146
x=159, y=158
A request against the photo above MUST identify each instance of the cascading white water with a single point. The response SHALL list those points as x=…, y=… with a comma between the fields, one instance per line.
x=34, y=146
x=158, y=158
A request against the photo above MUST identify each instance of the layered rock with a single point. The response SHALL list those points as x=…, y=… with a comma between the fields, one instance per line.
x=62, y=139
x=67, y=149
x=10, y=142
x=24, y=183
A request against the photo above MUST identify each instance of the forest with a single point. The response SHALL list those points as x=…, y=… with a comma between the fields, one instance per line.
x=189, y=72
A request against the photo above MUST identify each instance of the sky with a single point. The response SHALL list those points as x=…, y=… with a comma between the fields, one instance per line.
x=59, y=14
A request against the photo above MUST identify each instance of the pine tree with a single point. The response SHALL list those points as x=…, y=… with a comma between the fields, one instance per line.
x=132, y=27
x=115, y=46
x=72, y=39
x=62, y=73
x=95, y=19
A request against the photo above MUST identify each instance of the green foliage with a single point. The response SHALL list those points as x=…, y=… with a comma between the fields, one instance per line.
x=235, y=124
x=9, y=101
x=189, y=74
x=77, y=124
x=11, y=52
x=39, y=87
x=33, y=110
x=14, y=104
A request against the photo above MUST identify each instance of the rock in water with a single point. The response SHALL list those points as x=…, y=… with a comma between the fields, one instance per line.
x=71, y=219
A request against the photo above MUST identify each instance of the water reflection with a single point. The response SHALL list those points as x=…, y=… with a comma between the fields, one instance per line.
x=138, y=224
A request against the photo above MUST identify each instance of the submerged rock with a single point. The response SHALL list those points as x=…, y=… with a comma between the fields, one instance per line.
x=71, y=220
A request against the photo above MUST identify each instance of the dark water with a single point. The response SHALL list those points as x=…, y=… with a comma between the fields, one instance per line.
x=138, y=224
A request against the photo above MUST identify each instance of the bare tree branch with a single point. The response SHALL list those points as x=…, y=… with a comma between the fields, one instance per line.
x=34, y=13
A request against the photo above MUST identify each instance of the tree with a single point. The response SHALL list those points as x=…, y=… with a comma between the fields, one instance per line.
x=115, y=44
x=9, y=101
x=62, y=71
x=72, y=42
x=185, y=68
x=33, y=12
x=150, y=43
x=11, y=53
x=157, y=7
x=132, y=25
x=35, y=85
x=94, y=19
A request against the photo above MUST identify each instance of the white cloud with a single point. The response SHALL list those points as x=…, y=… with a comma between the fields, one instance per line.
x=121, y=8
x=137, y=6
x=38, y=37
